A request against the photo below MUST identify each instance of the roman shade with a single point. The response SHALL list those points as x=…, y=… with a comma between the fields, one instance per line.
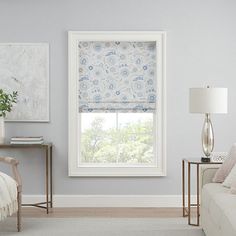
x=117, y=76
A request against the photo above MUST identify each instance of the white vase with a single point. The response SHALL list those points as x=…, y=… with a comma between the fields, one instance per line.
x=2, y=130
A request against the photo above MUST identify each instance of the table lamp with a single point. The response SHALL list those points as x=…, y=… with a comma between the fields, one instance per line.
x=208, y=101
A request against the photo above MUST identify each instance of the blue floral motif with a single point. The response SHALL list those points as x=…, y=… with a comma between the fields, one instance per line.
x=117, y=75
x=111, y=60
x=152, y=98
x=138, y=61
x=97, y=47
x=138, y=78
x=151, y=47
x=83, y=78
x=83, y=86
x=97, y=98
x=151, y=73
x=124, y=72
x=138, y=85
x=85, y=44
x=111, y=86
x=150, y=82
x=83, y=61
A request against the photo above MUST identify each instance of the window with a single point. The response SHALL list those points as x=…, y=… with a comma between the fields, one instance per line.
x=116, y=104
x=116, y=139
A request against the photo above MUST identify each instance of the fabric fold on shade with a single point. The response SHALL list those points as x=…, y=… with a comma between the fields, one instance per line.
x=117, y=107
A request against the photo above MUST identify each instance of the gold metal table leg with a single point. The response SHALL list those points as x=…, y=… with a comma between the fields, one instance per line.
x=51, y=205
x=189, y=196
x=198, y=203
x=183, y=187
x=47, y=205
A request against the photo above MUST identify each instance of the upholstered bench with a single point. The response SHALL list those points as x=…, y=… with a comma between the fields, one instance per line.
x=10, y=192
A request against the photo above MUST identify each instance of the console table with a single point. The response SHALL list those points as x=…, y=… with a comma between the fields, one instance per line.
x=47, y=147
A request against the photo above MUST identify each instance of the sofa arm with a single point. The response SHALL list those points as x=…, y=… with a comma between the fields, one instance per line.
x=207, y=174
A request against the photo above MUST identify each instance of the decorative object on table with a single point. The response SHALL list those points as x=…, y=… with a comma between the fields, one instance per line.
x=6, y=104
x=208, y=101
x=226, y=167
x=27, y=140
x=218, y=156
x=25, y=67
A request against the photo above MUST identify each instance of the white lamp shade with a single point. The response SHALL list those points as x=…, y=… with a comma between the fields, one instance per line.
x=208, y=100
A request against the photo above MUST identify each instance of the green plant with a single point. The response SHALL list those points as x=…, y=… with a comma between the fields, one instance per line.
x=6, y=102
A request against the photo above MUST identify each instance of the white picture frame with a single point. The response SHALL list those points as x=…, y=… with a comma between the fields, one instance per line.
x=74, y=37
x=28, y=64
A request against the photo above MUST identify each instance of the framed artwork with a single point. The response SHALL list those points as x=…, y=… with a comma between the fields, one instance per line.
x=116, y=103
x=24, y=67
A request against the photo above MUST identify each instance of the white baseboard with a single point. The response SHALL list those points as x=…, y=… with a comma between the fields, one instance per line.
x=110, y=200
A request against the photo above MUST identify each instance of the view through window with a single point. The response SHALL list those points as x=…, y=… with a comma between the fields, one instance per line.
x=117, y=138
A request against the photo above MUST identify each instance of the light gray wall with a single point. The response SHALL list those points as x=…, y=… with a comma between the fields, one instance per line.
x=201, y=50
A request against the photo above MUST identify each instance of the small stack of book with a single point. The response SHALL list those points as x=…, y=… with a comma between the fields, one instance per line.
x=27, y=140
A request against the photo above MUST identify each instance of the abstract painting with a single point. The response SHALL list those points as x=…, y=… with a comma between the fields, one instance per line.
x=24, y=68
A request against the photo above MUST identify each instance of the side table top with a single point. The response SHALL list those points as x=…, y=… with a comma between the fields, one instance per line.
x=198, y=161
x=9, y=145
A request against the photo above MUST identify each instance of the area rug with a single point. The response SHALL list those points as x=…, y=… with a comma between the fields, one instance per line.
x=100, y=227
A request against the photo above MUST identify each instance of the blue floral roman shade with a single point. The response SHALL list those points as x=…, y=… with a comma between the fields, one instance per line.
x=117, y=76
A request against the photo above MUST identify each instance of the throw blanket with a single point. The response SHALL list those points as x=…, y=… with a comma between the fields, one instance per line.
x=8, y=196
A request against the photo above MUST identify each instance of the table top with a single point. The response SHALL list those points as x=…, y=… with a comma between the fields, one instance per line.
x=198, y=161
x=9, y=145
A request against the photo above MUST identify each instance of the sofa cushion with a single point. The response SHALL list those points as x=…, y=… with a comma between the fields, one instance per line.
x=226, y=167
x=230, y=179
x=221, y=206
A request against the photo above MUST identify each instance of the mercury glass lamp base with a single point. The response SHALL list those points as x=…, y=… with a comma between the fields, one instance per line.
x=207, y=136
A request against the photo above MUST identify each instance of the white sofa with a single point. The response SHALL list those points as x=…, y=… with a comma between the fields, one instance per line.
x=218, y=207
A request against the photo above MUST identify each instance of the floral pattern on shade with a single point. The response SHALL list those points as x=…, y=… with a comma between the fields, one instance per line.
x=117, y=76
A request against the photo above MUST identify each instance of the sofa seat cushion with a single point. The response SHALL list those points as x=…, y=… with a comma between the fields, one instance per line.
x=221, y=206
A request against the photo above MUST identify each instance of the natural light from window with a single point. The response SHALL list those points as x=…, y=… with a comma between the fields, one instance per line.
x=124, y=139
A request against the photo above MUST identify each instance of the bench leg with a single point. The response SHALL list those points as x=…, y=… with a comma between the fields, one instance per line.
x=19, y=212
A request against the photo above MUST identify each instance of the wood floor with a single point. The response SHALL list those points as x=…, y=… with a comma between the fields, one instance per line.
x=103, y=212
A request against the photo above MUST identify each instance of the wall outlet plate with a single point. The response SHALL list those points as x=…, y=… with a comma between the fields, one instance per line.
x=218, y=156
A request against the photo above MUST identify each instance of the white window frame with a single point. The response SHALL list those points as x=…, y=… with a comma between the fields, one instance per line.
x=73, y=115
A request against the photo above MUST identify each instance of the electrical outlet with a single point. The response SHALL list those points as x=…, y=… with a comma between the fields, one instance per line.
x=218, y=156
